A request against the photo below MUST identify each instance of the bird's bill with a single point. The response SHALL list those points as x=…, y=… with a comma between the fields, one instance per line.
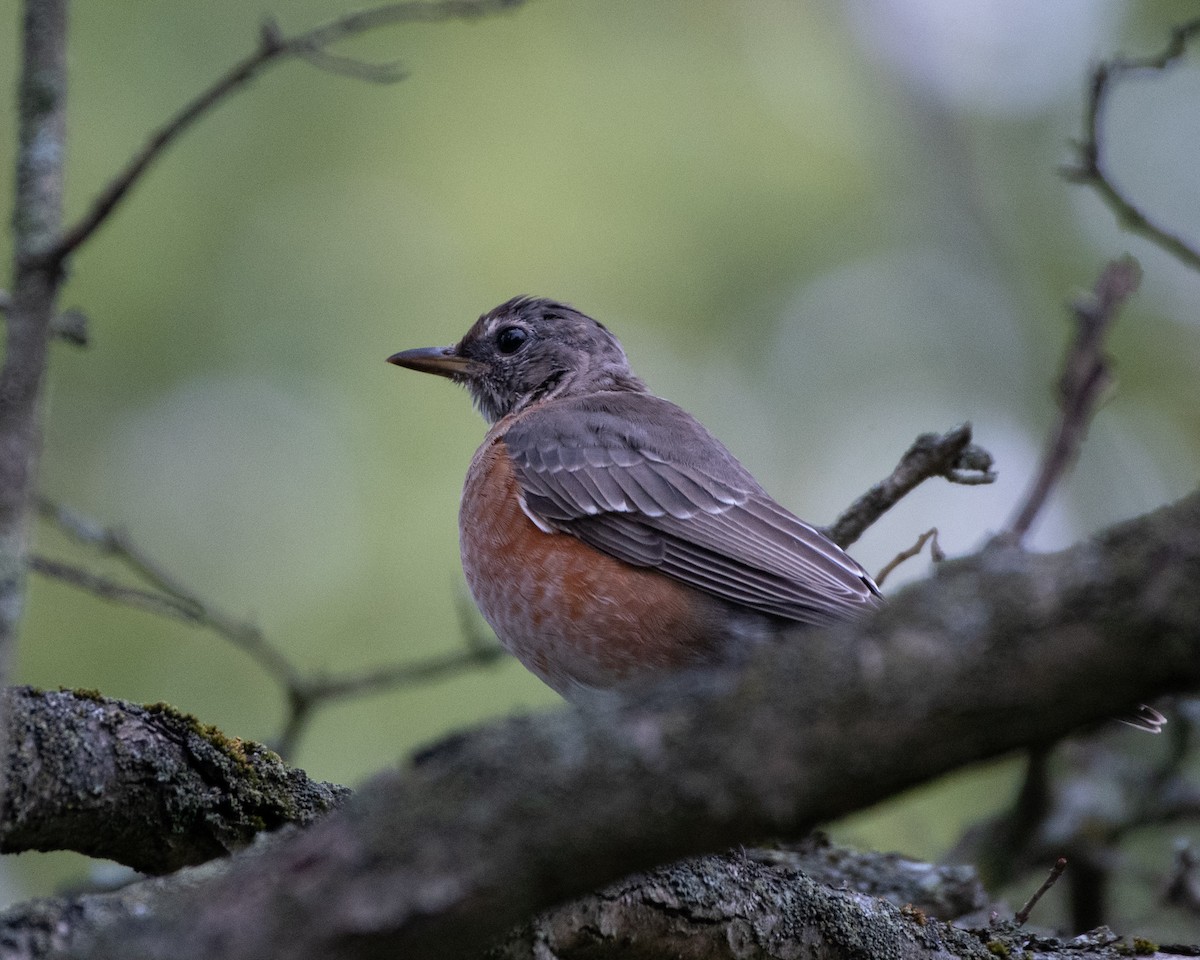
x=444, y=361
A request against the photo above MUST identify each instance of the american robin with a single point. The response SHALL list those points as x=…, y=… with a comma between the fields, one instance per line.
x=604, y=532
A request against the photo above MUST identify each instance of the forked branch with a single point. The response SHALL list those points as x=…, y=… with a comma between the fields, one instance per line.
x=273, y=47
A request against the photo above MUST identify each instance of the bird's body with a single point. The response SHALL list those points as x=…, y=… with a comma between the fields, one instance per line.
x=573, y=615
x=605, y=534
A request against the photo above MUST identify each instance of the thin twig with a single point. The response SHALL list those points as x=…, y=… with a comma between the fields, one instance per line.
x=107, y=589
x=401, y=674
x=352, y=67
x=272, y=47
x=1090, y=168
x=935, y=554
x=1055, y=872
x=117, y=543
x=950, y=455
x=1084, y=378
x=314, y=692
x=1183, y=885
x=70, y=325
x=170, y=597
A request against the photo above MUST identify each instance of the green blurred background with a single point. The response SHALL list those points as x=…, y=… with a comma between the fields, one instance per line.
x=823, y=227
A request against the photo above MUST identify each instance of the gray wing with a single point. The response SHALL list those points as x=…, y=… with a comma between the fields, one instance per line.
x=640, y=479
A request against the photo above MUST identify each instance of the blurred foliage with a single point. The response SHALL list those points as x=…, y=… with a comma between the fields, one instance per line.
x=820, y=242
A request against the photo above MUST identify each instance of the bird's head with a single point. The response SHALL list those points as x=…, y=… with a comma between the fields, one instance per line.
x=525, y=350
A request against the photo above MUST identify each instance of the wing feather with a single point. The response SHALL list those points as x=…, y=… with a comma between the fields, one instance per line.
x=638, y=478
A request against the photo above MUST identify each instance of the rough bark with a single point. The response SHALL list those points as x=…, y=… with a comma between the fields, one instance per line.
x=763, y=903
x=993, y=653
x=37, y=217
x=823, y=902
x=726, y=907
x=146, y=786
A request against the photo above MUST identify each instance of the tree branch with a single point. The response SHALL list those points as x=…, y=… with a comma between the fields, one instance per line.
x=1102, y=792
x=1055, y=873
x=272, y=48
x=1090, y=168
x=763, y=903
x=36, y=220
x=951, y=456
x=1084, y=378
x=996, y=652
x=149, y=787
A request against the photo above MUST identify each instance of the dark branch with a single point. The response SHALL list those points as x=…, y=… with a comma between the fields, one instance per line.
x=763, y=903
x=439, y=859
x=1055, y=872
x=146, y=786
x=107, y=589
x=1084, y=378
x=1103, y=792
x=951, y=456
x=1183, y=887
x=273, y=47
x=1090, y=168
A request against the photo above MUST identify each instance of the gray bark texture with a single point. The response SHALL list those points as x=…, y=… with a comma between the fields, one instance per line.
x=36, y=219
x=993, y=653
x=813, y=899
x=146, y=786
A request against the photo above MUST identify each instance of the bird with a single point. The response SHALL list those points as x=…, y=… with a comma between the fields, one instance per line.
x=606, y=536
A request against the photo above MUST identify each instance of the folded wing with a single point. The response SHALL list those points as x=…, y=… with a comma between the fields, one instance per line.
x=640, y=479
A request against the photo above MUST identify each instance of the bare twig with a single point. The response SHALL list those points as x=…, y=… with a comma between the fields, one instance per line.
x=935, y=554
x=309, y=694
x=1084, y=378
x=1089, y=167
x=1183, y=886
x=1055, y=872
x=70, y=325
x=272, y=47
x=950, y=455
x=169, y=597
x=174, y=594
x=107, y=589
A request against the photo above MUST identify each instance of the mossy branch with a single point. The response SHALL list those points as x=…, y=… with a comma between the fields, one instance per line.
x=147, y=786
x=994, y=653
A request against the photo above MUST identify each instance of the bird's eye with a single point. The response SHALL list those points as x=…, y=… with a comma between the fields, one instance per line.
x=509, y=339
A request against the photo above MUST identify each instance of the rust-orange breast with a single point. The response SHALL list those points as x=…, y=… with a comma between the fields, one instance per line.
x=572, y=614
